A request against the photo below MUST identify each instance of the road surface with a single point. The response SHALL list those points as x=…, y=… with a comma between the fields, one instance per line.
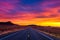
x=28, y=34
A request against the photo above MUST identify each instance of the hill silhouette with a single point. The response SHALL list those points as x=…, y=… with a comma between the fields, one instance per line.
x=6, y=23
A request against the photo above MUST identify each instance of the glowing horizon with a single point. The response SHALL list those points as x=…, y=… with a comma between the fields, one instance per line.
x=25, y=12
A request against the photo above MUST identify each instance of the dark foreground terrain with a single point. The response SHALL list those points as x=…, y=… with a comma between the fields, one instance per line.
x=10, y=31
x=28, y=34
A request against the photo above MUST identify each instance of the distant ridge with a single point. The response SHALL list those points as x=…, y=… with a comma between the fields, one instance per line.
x=6, y=23
x=32, y=25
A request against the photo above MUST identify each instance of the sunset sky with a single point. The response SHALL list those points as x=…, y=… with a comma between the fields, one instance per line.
x=25, y=12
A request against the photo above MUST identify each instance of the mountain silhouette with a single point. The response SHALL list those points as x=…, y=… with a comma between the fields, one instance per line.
x=6, y=23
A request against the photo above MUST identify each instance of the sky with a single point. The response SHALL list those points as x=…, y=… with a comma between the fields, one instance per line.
x=26, y=12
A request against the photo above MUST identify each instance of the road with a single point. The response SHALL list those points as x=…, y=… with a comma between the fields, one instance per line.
x=28, y=34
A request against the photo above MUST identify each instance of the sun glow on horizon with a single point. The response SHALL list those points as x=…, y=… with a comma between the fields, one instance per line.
x=52, y=24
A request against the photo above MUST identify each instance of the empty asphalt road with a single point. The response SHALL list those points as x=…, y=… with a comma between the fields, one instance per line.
x=28, y=34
